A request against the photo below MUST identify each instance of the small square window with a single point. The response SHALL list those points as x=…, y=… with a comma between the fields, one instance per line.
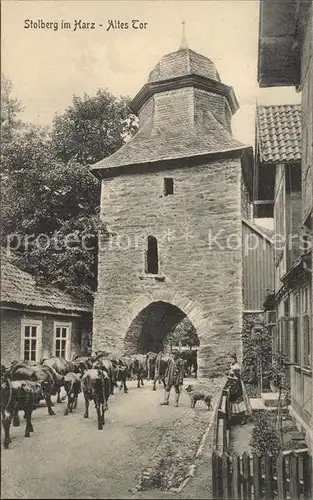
x=168, y=186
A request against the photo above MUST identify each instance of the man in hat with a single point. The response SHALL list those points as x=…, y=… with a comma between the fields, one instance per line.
x=174, y=376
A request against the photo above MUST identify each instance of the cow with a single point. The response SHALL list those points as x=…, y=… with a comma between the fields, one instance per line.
x=139, y=367
x=122, y=376
x=151, y=360
x=61, y=365
x=18, y=395
x=81, y=364
x=106, y=365
x=96, y=387
x=50, y=380
x=160, y=369
x=190, y=357
x=72, y=386
x=128, y=362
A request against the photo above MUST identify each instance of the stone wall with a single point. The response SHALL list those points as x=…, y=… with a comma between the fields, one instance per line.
x=11, y=332
x=200, y=276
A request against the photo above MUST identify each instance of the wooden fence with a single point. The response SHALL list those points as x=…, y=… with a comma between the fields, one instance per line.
x=222, y=423
x=252, y=477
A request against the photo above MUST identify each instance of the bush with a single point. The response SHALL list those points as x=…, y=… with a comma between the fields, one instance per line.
x=252, y=391
x=265, y=439
x=256, y=344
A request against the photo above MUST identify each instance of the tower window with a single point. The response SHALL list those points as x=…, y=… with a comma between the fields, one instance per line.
x=152, y=260
x=168, y=186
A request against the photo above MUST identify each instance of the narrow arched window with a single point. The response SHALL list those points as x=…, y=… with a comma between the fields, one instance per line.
x=152, y=259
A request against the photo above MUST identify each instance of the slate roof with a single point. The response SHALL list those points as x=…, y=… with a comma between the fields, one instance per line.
x=170, y=131
x=19, y=287
x=279, y=133
x=183, y=62
x=152, y=144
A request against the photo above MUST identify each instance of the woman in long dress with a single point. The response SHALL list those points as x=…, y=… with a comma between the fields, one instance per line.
x=240, y=407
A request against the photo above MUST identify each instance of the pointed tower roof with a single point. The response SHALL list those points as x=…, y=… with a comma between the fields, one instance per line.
x=184, y=111
x=183, y=62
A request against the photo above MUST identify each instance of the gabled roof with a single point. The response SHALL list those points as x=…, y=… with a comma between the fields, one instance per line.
x=19, y=287
x=279, y=133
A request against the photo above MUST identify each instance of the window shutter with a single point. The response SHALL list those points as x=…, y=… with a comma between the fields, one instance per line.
x=306, y=340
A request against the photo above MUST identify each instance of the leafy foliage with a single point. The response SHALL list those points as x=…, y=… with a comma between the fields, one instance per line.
x=92, y=128
x=257, y=344
x=265, y=438
x=50, y=200
x=10, y=109
x=185, y=333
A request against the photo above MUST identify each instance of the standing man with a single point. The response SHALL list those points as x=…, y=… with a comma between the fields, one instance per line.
x=174, y=376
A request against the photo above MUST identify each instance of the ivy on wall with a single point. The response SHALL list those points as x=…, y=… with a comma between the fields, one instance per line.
x=257, y=351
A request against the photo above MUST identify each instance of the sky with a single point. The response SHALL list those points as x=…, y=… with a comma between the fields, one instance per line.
x=48, y=66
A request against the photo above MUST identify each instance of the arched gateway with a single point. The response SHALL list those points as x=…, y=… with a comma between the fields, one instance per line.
x=172, y=200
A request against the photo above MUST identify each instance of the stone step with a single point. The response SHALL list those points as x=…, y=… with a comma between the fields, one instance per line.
x=273, y=403
x=297, y=435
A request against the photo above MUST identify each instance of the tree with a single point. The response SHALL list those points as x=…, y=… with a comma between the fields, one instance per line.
x=93, y=128
x=50, y=200
x=10, y=109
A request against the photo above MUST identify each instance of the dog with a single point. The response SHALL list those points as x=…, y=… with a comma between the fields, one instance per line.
x=199, y=395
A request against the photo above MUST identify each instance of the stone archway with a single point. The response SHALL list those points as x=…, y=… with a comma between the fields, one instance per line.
x=157, y=326
x=201, y=321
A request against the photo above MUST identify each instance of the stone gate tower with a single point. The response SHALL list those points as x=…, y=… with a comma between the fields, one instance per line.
x=172, y=201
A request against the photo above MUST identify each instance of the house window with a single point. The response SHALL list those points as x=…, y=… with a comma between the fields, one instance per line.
x=152, y=260
x=62, y=340
x=31, y=340
x=306, y=328
x=168, y=186
x=284, y=336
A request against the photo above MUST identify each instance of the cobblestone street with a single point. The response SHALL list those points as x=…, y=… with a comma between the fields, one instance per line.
x=67, y=457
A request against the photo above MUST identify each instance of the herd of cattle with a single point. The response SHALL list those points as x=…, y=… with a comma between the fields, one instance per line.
x=24, y=383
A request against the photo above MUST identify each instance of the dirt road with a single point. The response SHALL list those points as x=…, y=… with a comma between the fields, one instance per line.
x=67, y=457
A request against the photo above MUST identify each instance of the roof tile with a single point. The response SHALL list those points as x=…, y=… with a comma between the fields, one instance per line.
x=279, y=133
x=19, y=287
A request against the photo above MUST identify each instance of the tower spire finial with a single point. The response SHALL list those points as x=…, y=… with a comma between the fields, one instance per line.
x=183, y=44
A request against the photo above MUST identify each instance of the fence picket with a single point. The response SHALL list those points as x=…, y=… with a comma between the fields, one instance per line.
x=294, y=477
x=236, y=493
x=257, y=477
x=231, y=480
x=226, y=476
x=217, y=475
x=246, y=485
x=281, y=476
x=307, y=476
x=269, y=494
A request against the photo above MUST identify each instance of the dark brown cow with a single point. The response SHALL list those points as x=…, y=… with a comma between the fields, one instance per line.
x=106, y=365
x=96, y=387
x=72, y=386
x=139, y=367
x=82, y=363
x=50, y=380
x=61, y=365
x=18, y=395
x=190, y=358
x=151, y=360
